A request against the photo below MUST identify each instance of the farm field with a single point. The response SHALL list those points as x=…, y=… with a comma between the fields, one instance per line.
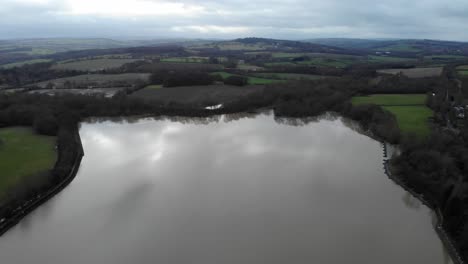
x=463, y=70
x=92, y=65
x=21, y=63
x=248, y=67
x=411, y=113
x=97, y=80
x=154, y=86
x=412, y=119
x=23, y=154
x=415, y=72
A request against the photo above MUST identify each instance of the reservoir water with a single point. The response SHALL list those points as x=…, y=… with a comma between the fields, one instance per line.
x=224, y=190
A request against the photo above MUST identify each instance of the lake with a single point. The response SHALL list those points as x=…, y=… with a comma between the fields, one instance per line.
x=227, y=189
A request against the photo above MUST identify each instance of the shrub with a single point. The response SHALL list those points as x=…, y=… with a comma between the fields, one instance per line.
x=236, y=80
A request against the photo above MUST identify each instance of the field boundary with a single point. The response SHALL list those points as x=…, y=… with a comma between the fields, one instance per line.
x=444, y=236
x=30, y=206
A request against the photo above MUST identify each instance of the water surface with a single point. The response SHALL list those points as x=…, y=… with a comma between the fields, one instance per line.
x=227, y=190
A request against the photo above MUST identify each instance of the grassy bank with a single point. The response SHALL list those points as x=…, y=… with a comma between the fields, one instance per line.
x=23, y=154
x=391, y=99
x=409, y=109
x=412, y=119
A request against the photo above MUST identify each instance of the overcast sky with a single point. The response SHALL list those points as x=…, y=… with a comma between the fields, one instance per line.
x=295, y=19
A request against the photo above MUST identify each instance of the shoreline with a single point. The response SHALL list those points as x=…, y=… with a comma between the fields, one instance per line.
x=29, y=206
x=448, y=242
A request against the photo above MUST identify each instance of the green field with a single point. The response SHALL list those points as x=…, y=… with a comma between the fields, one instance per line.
x=23, y=154
x=249, y=67
x=412, y=119
x=391, y=99
x=21, y=63
x=152, y=87
x=463, y=70
x=411, y=113
x=464, y=73
x=251, y=80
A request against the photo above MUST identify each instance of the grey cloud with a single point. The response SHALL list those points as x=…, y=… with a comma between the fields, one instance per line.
x=296, y=19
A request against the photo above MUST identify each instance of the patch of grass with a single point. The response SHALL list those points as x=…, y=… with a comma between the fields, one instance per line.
x=463, y=67
x=23, y=154
x=412, y=119
x=260, y=81
x=409, y=109
x=224, y=74
x=21, y=63
x=249, y=67
x=463, y=73
x=154, y=87
x=391, y=99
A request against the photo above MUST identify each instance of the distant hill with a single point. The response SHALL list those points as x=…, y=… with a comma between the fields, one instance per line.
x=53, y=45
x=276, y=45
x=403, y=46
